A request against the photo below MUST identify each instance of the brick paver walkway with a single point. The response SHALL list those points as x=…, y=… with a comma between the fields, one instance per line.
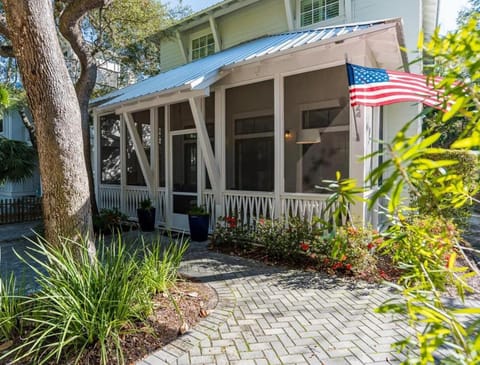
x=268, y=315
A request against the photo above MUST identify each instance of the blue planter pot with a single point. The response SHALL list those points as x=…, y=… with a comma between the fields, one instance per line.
x=146, y=219
x=198, y=227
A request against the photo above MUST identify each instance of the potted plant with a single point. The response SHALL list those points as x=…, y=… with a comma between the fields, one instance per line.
x=198, y=220
x=146, y=216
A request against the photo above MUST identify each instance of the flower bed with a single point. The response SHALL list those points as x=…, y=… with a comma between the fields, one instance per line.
x=346, y=250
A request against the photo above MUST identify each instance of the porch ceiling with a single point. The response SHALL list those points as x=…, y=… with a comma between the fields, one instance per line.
x=382, y=36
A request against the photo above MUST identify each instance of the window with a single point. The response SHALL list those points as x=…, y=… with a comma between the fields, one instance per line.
x=142, y=125
x=254, y=153
x=203, y=46
x=1, y=125
x=315, y=11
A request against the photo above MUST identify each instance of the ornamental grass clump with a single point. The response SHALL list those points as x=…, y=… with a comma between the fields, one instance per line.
x=84, y=307
x=12, y=305
x=159, y=268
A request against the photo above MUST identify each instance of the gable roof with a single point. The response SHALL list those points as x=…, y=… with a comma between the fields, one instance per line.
x=203, y=72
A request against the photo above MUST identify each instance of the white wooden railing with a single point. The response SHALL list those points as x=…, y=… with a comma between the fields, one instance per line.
x=161, y=205
x=109, y=197
x=208, y=200
x=248, y=205
x=133, y=196
x=305, y=206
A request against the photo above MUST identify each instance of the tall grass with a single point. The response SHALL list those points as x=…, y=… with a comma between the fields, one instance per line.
x=82, y=306
x=160, y=266
x=12, y=305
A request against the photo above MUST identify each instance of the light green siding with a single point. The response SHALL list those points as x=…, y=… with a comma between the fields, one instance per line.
x=262, y=18
x=170, y=55
x=410, y=11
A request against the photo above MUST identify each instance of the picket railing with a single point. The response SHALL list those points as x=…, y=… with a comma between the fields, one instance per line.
x=23, y=209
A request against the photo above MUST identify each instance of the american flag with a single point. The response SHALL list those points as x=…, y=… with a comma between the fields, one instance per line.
x=376, y=87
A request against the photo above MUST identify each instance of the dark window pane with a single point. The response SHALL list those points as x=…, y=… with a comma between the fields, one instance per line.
x=254, y=164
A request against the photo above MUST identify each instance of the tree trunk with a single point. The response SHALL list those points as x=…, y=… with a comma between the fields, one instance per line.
x=55, y=109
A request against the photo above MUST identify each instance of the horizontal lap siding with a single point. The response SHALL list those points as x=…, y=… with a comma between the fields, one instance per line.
x=262, y=18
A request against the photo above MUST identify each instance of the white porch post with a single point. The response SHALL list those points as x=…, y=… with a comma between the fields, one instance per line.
x=123, y=164
x=140, y=152
x=168, y=162
x=204, y=142
x=154, y=156
x=97, y=163
x=220, y=148
x=278, y=143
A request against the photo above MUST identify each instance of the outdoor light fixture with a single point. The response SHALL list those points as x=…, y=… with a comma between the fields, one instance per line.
x=288, y=134
x=308, y=136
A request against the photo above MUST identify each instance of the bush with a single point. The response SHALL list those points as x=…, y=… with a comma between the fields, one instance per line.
x=108, y=220
x=300, y=241
x=467, y=168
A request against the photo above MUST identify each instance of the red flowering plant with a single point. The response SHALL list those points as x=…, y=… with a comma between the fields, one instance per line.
x=351, y=249
x=232, y=230
x=286, y=239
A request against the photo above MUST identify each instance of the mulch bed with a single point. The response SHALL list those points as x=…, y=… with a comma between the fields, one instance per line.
x=194, y=300
x=385, y=268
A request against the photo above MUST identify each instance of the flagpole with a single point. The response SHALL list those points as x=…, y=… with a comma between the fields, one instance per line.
x=357, y=135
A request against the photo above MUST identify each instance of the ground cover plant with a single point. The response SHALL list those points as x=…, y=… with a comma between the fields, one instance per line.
x=82, y=309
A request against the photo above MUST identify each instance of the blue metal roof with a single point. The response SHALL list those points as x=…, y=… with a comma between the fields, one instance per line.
x=192, y=73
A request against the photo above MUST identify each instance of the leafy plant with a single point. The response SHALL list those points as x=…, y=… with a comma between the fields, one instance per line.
x=108, y=220
x=146, y=204
x=428, y=248
x=198, y=210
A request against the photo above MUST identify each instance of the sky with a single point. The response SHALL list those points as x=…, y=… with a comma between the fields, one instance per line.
x=447, y=17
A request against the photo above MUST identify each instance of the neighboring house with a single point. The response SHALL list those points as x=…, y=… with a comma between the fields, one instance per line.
x=251, y=112
x=11, y=127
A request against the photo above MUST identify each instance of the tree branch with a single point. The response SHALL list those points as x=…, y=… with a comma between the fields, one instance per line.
x=70, y=27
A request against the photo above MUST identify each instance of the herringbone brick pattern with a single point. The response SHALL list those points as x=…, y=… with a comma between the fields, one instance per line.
x=272, y=316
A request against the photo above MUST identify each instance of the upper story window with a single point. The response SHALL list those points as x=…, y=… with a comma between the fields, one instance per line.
x=315, y=11
x=203, y=46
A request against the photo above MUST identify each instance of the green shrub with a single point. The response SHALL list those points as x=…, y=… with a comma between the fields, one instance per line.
x=422, y=244
x=108, y=220
x=301, y=241
x=467, y=168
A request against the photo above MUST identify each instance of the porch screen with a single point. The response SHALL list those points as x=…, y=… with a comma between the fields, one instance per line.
x=316, y=102
x=250, y=142
x=110, y=149
x=142, y=125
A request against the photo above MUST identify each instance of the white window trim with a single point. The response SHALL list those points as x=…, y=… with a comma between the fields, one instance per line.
x=196, y=35
x=341, y=16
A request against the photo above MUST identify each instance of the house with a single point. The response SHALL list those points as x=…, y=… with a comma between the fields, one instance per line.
x=251, y=112
x=11, y=127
